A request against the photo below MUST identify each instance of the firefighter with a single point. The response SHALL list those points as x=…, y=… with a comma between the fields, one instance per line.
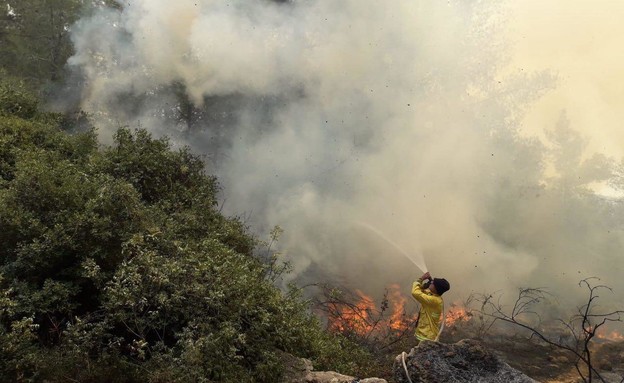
x=428, y=292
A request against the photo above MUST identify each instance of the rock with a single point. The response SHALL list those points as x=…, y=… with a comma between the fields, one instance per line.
x=605, y=365
x=610, y=377
x=295, y=369
x=464, y=361
x=327, y=377
x=298, y=370
x=334, y=377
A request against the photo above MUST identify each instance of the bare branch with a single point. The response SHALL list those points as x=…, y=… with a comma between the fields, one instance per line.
x=582, y=326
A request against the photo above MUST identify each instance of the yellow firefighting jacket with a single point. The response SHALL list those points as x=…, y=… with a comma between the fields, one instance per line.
x=431, y=306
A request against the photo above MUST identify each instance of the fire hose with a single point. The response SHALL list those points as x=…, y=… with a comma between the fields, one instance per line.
x=441, y=324
x=405, y=367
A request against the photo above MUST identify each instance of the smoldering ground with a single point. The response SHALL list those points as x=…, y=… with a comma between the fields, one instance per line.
x=318, y=114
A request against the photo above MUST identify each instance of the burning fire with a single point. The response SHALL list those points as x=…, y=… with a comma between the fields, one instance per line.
x=364, y=317
x=352, y=317
x=456, y=315
x=399, y=320
x=609, y=335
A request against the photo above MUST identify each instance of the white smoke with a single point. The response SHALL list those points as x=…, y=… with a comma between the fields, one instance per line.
x=317, y=114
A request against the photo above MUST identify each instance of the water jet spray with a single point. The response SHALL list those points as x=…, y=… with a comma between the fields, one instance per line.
x=417, y=260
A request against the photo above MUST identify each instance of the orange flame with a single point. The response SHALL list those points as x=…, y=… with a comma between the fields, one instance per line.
x=354, y=317
x=364, y=318
x=610, y=335
x=456, y=315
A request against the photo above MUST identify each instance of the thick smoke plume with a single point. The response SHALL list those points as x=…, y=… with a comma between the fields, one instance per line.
x=319, y=114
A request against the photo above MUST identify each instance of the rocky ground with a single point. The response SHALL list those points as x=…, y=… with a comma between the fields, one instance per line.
x=495, y=359
x=548, y=364
x=465, y=361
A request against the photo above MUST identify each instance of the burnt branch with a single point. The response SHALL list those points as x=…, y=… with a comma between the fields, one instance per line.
x=582, y=327
x=379, y=328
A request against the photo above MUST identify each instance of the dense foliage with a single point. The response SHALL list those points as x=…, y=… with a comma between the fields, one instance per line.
x=116, y=265
x=35, y=36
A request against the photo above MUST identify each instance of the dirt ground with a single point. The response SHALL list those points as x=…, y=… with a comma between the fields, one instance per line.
x=549, y=364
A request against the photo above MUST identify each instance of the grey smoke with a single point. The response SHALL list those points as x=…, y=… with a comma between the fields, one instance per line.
x=316, y=114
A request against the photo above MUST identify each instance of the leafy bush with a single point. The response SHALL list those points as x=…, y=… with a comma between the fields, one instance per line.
x=15, y=99
x=115, y=265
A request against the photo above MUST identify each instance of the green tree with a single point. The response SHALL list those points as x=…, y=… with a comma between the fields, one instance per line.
x=34, y=37
x=116, y=265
